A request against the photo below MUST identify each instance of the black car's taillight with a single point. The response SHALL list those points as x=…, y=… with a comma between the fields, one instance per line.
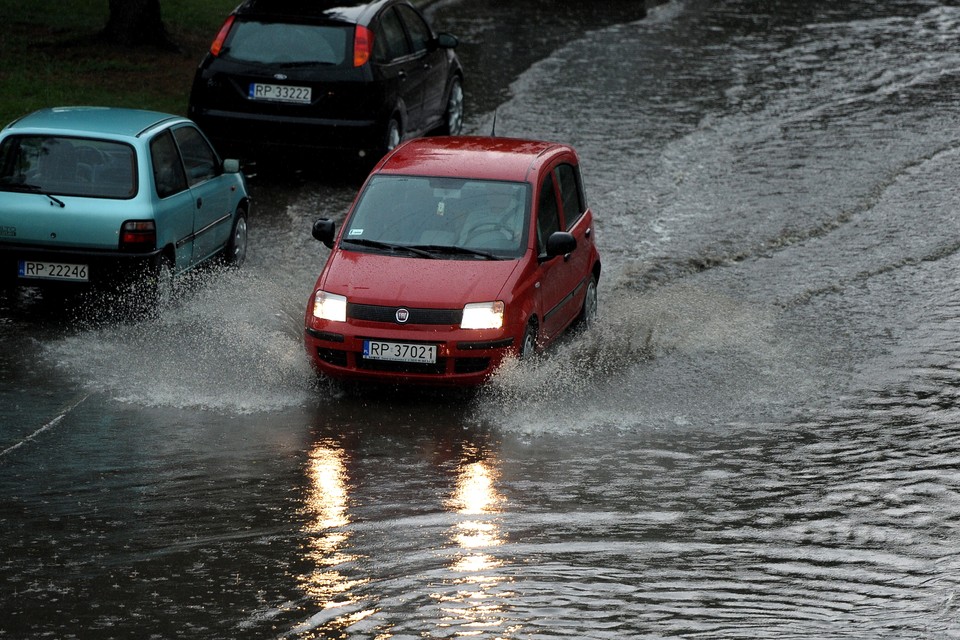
x=217, y=45
x=362, y=45
x=138, y=236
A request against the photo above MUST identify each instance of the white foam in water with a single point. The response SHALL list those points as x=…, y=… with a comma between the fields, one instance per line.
x=672, y=356
x=231, y=343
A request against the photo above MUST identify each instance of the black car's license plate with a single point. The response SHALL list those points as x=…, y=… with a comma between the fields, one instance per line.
x=280, y=93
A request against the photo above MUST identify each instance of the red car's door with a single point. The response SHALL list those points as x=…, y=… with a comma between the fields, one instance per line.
x=577, y=220
x=561, y=277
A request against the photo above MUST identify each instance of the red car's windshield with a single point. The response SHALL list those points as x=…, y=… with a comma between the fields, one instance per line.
x=412, y=211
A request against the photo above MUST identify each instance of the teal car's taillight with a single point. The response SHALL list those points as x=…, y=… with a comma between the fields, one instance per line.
x=138, y=236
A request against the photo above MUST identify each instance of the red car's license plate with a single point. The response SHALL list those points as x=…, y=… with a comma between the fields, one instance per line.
x=399, y=351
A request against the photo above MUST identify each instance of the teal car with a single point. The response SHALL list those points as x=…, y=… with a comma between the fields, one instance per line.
x=97, y=195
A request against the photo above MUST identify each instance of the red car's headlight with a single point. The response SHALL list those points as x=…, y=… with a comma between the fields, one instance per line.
x=482, y=315
x=329, y=306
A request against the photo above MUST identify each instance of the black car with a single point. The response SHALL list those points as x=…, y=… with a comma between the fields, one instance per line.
x=288, y=75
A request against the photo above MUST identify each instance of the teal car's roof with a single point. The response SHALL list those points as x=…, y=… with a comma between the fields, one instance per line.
x=92, y=120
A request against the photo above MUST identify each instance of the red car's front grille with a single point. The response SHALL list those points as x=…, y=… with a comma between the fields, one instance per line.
x=375, y=313
x=335, y=357
x=438, y=368
x=470, y=365
x=339, y=358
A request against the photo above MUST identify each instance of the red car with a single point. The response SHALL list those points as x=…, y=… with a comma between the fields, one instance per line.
x=457, y=252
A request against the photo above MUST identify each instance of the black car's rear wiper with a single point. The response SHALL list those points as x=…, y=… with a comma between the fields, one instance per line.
x=304, y=63
x=30, y=188
x=376, y=244
x=463, y=251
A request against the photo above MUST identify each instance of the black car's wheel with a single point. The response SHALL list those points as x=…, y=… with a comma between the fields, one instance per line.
x=392, y=137
x=453, y=116
x=528, y=348
x=236, y=250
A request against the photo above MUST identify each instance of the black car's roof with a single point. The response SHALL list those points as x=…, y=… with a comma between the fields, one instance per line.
x=354, y=11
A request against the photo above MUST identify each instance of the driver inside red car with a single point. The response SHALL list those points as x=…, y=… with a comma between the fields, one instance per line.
x=500, y=211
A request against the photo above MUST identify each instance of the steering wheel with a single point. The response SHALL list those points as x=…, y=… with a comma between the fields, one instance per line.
x=488, y=227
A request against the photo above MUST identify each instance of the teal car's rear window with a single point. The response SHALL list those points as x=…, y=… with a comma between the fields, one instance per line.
x=68, y=166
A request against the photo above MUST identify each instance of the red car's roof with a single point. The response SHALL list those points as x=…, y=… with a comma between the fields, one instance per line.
x=470, y=157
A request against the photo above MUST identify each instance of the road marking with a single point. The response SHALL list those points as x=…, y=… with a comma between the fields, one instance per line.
x=46, y=427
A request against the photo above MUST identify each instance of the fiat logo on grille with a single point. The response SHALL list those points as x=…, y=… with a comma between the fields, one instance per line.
x=403, y=315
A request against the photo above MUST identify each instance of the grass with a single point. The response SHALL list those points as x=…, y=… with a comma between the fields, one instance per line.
x=52, y=57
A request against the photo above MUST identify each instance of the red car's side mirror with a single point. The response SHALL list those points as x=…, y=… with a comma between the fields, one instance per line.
x=324, y=230
x=560, y=243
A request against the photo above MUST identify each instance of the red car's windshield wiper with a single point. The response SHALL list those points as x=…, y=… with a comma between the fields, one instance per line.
x=376, y=244
x=463, y=251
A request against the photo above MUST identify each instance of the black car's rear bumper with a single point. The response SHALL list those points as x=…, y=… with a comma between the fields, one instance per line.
x=242, y=134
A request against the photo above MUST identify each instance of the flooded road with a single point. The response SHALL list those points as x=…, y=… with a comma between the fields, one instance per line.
x=760, y=439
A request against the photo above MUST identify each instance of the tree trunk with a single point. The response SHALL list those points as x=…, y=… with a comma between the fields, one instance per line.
x=136, y=23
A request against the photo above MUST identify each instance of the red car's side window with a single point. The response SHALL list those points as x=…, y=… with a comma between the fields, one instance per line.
x=571, y=194
x=548, y=213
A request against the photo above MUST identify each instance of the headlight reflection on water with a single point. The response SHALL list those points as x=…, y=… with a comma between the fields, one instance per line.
x=468, y=592
x=477, y=602
x=327, y=504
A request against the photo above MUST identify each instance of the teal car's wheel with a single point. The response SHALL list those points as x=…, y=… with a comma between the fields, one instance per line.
x=153, y=290
x=235, y=252
x=159, y=289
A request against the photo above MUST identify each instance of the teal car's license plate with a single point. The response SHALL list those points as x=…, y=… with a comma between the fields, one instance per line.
x=53, y=271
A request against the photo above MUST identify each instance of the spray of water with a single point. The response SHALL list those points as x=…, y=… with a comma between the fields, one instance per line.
x=228, y=341
x=668, y=356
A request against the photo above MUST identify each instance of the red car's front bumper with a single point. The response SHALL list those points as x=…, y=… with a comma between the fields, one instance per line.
x=463, y=358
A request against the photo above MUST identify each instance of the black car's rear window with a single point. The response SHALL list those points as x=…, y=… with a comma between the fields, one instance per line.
x=285, y=43
x=68, y=166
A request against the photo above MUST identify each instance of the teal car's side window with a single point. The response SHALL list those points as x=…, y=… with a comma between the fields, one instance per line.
x=199, y=158
x=168, y=175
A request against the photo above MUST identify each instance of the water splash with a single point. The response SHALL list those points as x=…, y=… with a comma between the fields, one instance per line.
x=674, y=355
x=229, y=342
